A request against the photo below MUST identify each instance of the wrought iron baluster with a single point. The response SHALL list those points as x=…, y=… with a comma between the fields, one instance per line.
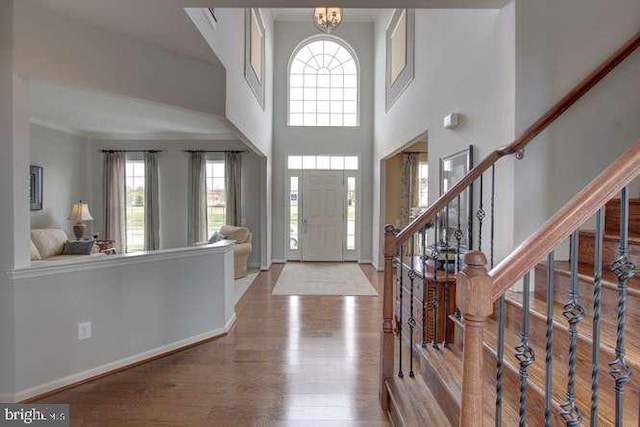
x=500, y=360
x=412, y=321
x=573, y=311
x=424, y=286
x=445, y=327
x=597, y=296
x=434, y=302
x=401, y=291
x=481, y=214
x=524, y=353
x=548, y=382
x=624, y=270
x=493, y=214
x=458, y=234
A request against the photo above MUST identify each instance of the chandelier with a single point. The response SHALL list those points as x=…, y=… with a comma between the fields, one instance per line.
x=327, y=19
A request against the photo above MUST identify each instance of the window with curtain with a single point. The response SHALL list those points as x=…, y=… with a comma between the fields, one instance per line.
x=216, y=195
x=135, y=205
x=423, y=186
x=323, y=84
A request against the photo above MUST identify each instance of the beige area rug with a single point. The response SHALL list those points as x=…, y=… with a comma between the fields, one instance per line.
x=321, y=278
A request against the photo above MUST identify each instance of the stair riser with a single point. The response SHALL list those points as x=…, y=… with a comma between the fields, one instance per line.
x=511, y=393
x=612, y=217
x=609, y=298
x=586, y=251
x=561, y=340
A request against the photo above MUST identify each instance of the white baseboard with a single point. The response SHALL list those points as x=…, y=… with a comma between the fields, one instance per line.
x=278, y=261
x=115, y=365
x=365, y=261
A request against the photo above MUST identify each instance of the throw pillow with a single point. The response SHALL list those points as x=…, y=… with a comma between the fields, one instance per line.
x=35, y=255
x=216, y=237
x=78, y=247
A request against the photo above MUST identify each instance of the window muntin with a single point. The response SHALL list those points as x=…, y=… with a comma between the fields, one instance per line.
x=216, y=196
x=135, y=205
x=323, y=162
x=323, y=85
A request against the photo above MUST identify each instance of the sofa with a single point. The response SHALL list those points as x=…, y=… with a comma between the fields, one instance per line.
x=47, y=244
x=242, y=248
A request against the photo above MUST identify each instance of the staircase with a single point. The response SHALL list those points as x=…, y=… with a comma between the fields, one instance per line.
x=544, y=337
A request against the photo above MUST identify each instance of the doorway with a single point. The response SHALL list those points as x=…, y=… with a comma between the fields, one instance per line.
x=322, y=217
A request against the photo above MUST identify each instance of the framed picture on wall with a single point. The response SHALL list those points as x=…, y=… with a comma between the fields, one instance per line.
x=452, y=169
x=35, y=187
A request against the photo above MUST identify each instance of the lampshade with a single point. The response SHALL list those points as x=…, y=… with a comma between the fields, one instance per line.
x=80, y=212
x=327, y=19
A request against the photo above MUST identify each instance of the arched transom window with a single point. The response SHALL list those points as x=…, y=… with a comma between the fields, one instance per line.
x=323, y=84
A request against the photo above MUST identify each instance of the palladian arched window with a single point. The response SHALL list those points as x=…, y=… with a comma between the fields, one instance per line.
x=323, y=84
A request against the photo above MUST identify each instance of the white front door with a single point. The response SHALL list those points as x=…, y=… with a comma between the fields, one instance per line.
x=323, y=216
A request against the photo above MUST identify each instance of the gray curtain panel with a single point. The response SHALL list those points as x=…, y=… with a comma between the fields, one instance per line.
x=410, y=192
x=233, y=181
x=197, y=222
x=152, y=203
x=114, y=192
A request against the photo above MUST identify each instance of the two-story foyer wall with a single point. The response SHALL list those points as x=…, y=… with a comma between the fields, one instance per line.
x=322, y=140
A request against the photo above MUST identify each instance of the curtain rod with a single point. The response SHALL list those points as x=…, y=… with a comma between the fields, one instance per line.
x=132, y=151
x=215, y=151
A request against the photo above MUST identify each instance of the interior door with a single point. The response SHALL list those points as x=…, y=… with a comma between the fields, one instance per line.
x=323, y=216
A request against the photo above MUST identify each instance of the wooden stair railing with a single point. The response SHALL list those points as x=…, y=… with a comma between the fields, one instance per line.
x=477, y=288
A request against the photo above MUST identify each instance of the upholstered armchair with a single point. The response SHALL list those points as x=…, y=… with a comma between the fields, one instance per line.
x=242, y=249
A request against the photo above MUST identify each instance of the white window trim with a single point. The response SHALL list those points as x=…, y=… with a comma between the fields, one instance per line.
x=349, y=49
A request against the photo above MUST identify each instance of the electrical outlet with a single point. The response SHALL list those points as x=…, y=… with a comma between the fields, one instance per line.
x=84, y=330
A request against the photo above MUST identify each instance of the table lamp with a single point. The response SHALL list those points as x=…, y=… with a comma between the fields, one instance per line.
x=79, y=214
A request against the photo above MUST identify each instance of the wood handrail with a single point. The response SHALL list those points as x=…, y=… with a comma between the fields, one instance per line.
x=428, y=216
x=568, y=219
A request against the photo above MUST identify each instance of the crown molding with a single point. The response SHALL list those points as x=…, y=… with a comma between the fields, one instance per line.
x=55, y=126
x=161, y=136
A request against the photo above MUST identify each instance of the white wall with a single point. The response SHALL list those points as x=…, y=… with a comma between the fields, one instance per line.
x=173, y=168
x=7, y=375
x=461, y=65
x=242, y=107
x=65, y=176
x=564, y=43
x=322, y=140
x=58, y=49
x=139, y=306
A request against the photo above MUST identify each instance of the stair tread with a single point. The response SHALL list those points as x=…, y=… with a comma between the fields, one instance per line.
x=537, y=370
x=406, y=392
x=448, y=364
x=608, y=333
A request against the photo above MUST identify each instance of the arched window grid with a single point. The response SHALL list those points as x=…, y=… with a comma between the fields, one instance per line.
x=323, y=87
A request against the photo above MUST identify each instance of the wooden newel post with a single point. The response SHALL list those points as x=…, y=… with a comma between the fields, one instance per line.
x=474, y=299
x=387, y=339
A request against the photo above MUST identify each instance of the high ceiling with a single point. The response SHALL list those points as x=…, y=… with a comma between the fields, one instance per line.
x=100, y=115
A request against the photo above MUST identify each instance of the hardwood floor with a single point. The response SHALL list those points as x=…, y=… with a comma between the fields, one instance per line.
x=289, y=361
